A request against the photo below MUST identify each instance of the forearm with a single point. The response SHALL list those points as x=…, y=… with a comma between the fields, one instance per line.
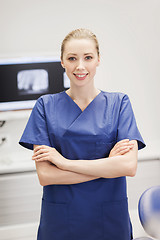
x=76, y=171
x=106, y=168
x=49, y=174
x=123, y=165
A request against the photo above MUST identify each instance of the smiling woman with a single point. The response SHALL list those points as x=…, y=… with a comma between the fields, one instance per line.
x=80, y=60
x=85, y=143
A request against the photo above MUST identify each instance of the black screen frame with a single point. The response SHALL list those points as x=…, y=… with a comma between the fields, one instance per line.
x=10, y=99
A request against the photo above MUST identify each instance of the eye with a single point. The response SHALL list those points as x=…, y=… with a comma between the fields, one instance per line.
x=71, y=58
x=88, y=57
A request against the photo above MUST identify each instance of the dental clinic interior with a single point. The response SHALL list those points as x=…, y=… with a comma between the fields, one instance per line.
x=31, y=34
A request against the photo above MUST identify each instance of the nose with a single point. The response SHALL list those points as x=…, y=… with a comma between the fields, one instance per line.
x=80, y=65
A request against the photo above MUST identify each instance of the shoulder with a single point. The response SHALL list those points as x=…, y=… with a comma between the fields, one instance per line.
x=48, y=98
x=46, y=102
x=115, y=97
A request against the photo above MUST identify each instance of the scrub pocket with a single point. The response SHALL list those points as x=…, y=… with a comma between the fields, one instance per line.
x=116, y=220
x=53, y=223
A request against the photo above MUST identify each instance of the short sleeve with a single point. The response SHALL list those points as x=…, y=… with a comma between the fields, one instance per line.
x=36, y=131
x=127, y=127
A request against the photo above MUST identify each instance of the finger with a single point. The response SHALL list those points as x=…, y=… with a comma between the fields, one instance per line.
x=122, y=148
x=125, y=151
x=124, y=141
x=40, y=147
x=124, y=144
x=41, y=160
x=40, y=151
x=40, y=157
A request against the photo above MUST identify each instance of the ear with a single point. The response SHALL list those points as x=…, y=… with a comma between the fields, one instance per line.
x=98, y=61
x=62, y=63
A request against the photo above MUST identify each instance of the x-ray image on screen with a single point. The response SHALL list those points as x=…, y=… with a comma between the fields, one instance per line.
x=24, y=80
x=33, y=81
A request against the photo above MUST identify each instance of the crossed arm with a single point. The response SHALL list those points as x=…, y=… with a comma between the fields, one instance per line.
x=53, y=168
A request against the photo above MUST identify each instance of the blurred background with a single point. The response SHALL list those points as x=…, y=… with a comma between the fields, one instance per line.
x=129, y=35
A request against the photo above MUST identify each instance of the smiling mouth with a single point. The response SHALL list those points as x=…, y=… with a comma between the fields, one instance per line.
x=81, y=76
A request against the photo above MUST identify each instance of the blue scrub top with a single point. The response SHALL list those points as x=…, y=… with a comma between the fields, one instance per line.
x=93, y=210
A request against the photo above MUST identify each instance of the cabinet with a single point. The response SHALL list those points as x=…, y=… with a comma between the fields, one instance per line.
x=20, y=202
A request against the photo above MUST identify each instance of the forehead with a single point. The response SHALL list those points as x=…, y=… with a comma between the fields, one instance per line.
x=79, y=46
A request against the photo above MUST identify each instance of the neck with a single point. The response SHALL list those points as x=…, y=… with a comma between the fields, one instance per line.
x=83, y=93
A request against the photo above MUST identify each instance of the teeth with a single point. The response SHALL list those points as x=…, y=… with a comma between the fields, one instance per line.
x=80, y=75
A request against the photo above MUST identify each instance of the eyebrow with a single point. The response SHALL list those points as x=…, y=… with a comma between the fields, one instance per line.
x=88, y=54
x=74, y=54
x=71, y=54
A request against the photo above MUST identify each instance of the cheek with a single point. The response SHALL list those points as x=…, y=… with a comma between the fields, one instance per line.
x=69, y=68
x=93, y=68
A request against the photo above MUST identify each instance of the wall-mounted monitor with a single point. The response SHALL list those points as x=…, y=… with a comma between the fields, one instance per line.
x=24, y=80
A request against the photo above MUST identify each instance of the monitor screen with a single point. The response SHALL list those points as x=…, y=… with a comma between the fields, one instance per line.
x=24, y=80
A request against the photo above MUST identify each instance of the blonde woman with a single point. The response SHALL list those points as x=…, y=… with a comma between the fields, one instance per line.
x=85, y=143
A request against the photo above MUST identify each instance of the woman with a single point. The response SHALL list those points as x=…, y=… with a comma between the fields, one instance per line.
x=85, y=142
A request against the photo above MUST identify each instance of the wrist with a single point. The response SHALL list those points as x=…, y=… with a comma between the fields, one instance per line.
x=65, y=164
x=68, y=165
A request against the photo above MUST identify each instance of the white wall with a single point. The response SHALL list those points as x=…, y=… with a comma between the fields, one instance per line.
x=129, y=36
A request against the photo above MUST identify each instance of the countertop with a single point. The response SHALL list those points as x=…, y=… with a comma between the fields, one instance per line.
x=14, y=163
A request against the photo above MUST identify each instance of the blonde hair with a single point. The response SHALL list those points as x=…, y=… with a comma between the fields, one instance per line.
x=80, y=33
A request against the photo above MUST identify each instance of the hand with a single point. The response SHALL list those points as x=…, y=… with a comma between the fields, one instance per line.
x=121, y=147
x=46, y=153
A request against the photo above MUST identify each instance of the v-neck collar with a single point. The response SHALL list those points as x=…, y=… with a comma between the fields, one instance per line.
x=87, y=105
